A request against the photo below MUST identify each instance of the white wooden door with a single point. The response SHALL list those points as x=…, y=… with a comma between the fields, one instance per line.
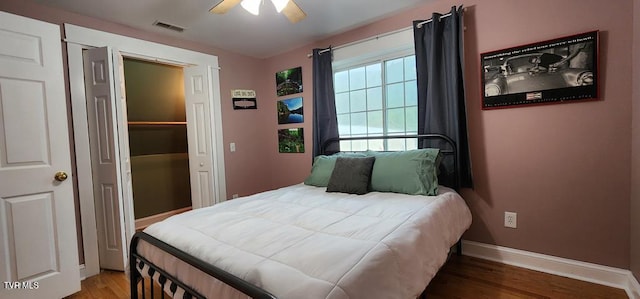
x=105, y=157
x=199, y=134
x=38, y=245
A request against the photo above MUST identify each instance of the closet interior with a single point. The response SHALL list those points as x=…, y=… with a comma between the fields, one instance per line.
x=157, y=140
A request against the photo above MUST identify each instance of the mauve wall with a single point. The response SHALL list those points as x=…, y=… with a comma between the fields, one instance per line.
x=635, y=149
x=246, y=169
x=564, y=168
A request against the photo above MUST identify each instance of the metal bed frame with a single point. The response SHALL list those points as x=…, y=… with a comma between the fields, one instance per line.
x=135, y=259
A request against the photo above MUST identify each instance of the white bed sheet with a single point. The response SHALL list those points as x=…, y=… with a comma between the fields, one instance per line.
x=302, y=242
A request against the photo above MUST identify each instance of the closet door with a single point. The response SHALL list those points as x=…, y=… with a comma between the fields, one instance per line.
x=199, y=133
x=110, y=182
x=38, y=246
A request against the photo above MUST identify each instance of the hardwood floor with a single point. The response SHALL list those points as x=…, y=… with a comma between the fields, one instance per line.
x=111, y=285
x=467, y=277
x=461, y=277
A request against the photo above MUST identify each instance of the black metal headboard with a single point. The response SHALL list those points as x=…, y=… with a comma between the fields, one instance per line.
x=449, y=167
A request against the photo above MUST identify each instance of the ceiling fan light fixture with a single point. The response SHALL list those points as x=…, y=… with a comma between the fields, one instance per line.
x=288, y=8
x=252, y=6
x=280, y=4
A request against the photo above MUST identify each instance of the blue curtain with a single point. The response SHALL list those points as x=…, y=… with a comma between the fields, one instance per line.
x=325, y=121
x=441, y=96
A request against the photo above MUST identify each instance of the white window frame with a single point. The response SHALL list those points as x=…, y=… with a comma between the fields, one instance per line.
x=388, y=46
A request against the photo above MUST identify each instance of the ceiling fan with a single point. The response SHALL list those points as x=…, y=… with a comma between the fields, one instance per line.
x=287, y=7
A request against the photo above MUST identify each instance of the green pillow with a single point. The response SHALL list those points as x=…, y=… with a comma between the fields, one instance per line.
x=321, y=171
x=323, y=168
x=413, y=172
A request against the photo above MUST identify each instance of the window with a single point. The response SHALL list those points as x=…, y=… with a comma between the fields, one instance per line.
x=377, y=98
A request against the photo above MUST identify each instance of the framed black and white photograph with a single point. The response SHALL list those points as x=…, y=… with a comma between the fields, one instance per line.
x=289, y=81
x=553, y=71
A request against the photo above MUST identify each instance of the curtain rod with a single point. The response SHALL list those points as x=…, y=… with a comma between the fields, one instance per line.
x=419, y=25
x=362, y=40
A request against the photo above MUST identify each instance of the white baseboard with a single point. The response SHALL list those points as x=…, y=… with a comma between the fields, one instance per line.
x=604, y=275
x=634, y=288
x=83, y=275
x=146, y=221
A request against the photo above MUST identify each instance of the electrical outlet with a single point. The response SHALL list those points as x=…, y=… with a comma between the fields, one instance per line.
x=234, y=195
x=511, y=219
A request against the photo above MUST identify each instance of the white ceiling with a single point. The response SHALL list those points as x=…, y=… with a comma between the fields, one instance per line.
x=239, y=31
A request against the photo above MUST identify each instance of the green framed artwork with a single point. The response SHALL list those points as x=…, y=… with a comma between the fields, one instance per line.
x=291, y=140
x=289, y=81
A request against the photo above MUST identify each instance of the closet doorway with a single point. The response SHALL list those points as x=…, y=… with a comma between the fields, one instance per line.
x=106, y=205
x=158, y=145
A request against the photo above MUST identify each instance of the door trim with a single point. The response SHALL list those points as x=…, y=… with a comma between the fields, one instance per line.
x=83, y=166
x=78, y=38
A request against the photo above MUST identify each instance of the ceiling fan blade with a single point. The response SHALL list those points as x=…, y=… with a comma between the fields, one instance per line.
x=224, y=6
x=293, y=12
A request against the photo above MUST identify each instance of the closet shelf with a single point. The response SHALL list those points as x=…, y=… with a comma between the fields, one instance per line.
x=156, y=123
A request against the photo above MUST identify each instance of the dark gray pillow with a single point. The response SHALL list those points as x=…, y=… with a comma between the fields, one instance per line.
x=351, y=175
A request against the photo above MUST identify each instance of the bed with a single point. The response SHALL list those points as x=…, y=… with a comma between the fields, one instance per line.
x=309, y=240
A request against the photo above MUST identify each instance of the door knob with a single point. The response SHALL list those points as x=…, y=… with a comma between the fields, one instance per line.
x=61, y=176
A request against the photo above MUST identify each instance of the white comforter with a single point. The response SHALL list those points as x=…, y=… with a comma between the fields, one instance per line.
x=302, y=242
